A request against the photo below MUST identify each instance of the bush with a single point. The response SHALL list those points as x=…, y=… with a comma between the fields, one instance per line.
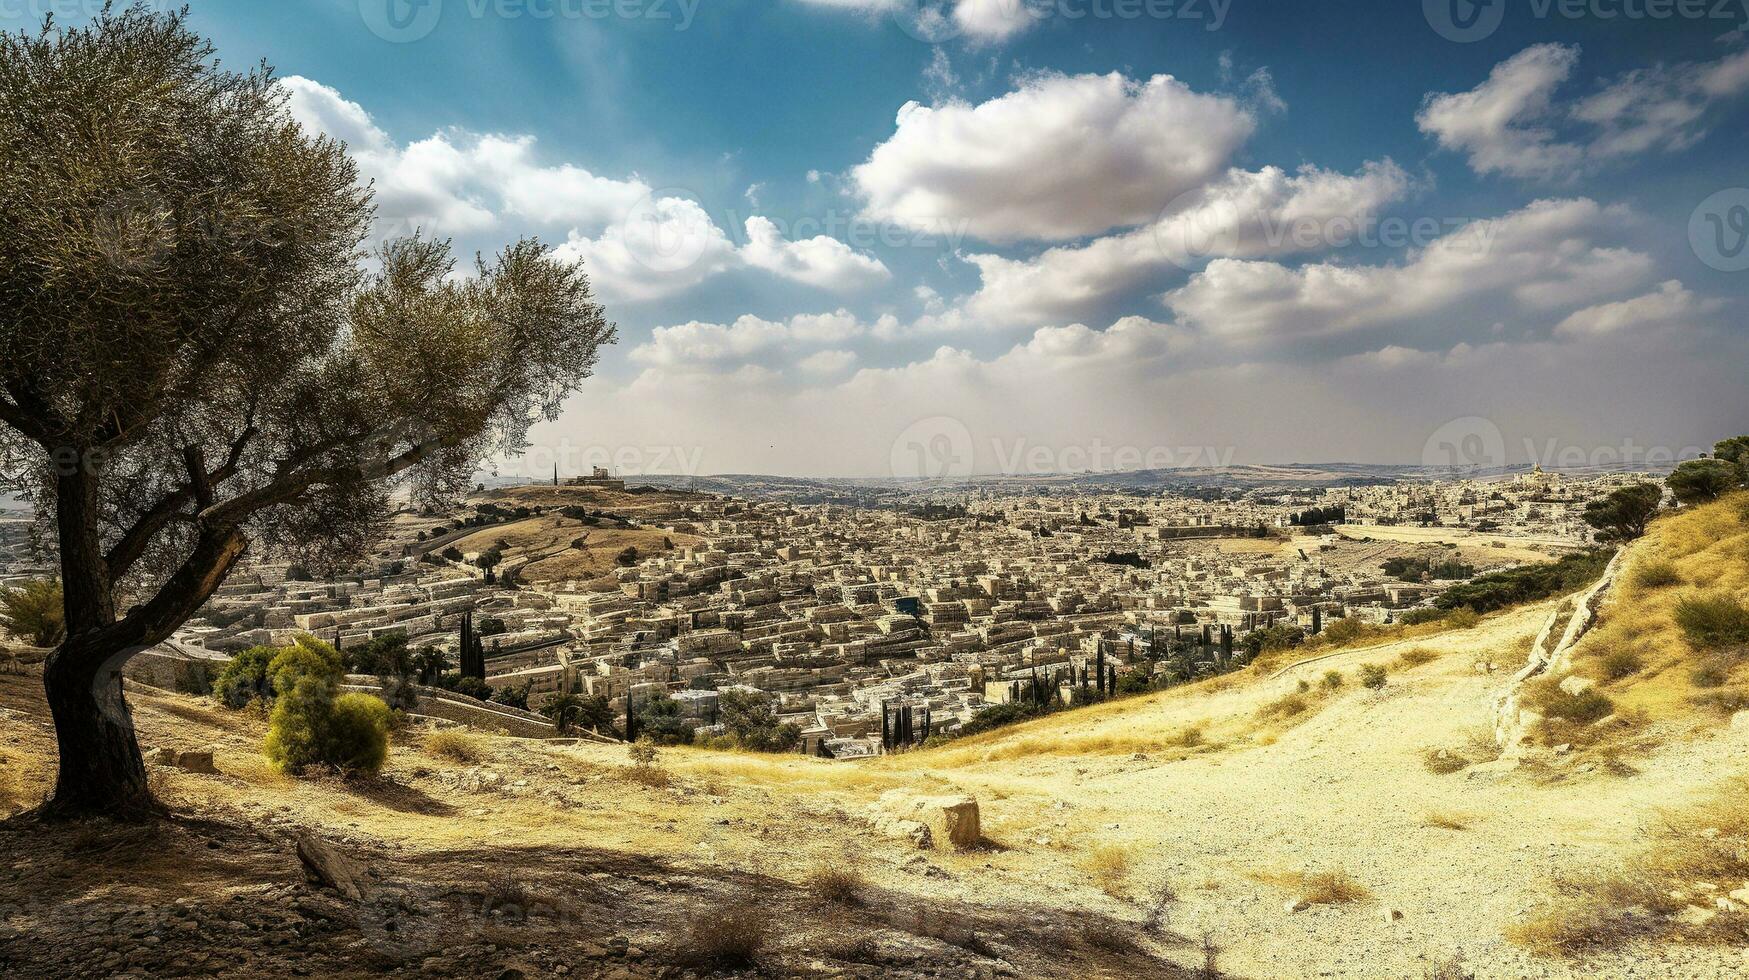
x=1713, y=622
x=306, y=657
x=1528, y=584
x=836, y=883
x=244, y=679
x=313, y=724
x=1582, y=708
x=1372, y=676
x=727, y=938
x=1416, y=617
x=1655, y=573
x=33, y=612
x=1332, y=680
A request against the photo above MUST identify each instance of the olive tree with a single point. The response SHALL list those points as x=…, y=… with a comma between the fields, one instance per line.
x=199, y=357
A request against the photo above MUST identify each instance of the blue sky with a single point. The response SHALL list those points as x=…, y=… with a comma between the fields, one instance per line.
x=1075, y=238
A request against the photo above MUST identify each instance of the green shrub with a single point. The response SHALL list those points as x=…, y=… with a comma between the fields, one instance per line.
x=313, y=723
x=1528, y=584
x=1332, y=679
x=1372, y=676
x=244, y=679
x=306, y=657
x=33, y=612
x=313, y=726
x=1713, y=622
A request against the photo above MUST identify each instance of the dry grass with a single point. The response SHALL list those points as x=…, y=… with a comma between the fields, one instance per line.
x=1670, y=893
x=1416, y=657
x=1330, y=887
x=1654, y=573
x=1444, y=820
x=1109, y=865
x=836, y=883
x=455, y=745
x=1448, y=968
x=1444, y=762
x=727, y=937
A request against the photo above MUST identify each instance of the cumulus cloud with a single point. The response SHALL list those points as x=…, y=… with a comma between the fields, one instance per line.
x=1540, y=258
x=1246, y=214
x=698, y=344
x=820, y=261
x=459, y=183
x=1060, y=157
x=1670, y=305
x=637, y=245
x=1512, y=125
x=827, y=362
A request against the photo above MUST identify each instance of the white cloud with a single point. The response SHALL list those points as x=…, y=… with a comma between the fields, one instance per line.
x=993, y=20
x=636, y=246
x=661, y=247
x=459, y=183
x=1489, y=122
x=1670, y=305
x=821, y=261
x=695, y=344
x=1060, y=157
x=827, y=362
x=1543, y=257
x=1511, y=124
x=1246, y=214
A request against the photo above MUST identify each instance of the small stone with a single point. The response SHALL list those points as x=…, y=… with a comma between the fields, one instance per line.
x=1296, y=905
x=1392, y=915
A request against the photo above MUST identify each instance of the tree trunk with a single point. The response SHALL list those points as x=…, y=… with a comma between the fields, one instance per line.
x=101, y=772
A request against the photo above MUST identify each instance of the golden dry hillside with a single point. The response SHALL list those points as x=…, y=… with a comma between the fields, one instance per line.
x=1287, y=822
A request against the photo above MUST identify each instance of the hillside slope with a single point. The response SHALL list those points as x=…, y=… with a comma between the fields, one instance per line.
x=1304, y=831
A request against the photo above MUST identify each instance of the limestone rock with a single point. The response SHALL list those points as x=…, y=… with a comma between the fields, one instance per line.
x=325, y=865
x=953, y=820
x=1296, y=905
x=201, y=762
x=1392, y=915
x=1575, y=685
x=1740, y=720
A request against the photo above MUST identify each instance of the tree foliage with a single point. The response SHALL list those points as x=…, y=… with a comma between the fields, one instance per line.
x=197, y=360
x=32, y=612
x=1623, y=515
x=1701, y=481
